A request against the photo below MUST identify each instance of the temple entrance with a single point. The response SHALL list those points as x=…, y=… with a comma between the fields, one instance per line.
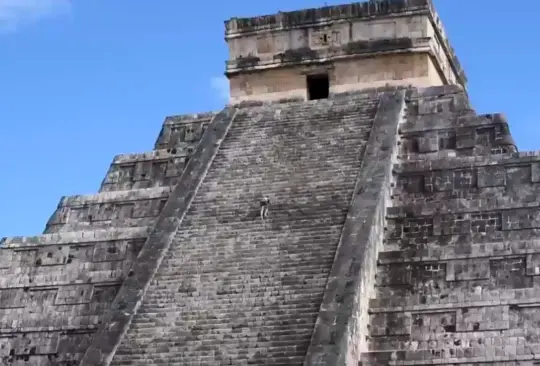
x=318, y=86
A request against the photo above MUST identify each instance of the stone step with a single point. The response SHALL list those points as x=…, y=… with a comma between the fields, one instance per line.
x=321, y=106
x=324, y=186
x=247, y=140
x=308, y=271
x=247, y=122
x=172, y=359
x=75, y=237
x=311, y=198
x=161, y=154
x=214, y=265
x=277, y=116
x=118, y=196
x=267, y=171
x=261, y=281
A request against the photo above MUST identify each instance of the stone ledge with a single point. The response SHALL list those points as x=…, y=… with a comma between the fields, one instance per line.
x=75, y=237
x=115, y=196
x=461, y=206
x=524, y=302
x=433, y=92
x=160, y=154
x=433, y=122
x=327, y=14
x=425, y=357
x=357, y=250
x=130, y=296
x=467, y=162
x=189, y=118
x=485, y=250
x=353, y=49
x=363, y=95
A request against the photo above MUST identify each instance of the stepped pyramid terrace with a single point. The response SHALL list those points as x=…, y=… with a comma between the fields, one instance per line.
x=403, y=228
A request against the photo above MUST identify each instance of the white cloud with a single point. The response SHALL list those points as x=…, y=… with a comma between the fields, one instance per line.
x=14, y=13
x=221, y=86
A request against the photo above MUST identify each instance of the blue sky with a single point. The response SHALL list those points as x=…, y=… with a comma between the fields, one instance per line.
x=82, y=81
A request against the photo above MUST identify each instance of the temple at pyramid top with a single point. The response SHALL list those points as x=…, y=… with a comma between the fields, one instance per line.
x=315, y=52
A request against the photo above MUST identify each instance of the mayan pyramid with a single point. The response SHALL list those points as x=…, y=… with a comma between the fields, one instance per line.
x=403, y=227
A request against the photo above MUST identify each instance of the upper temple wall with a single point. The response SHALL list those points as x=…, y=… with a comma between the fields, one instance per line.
x=329, y=34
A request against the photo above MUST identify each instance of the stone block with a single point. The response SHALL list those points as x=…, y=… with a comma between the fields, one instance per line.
x=52, y=255
x=74, y=294
x=11, y=298
x=6, y=258
x=491, y=176
x=428, y=143
x=467, y=269
x=533, y=264
x=36, y=343
x=465, y=138
x=433, y=323
x=109, y=251
x=478, y=319
x=535, y=172
x=510, y=272
x=526, y=218
x=430, y=106
x=390, y=324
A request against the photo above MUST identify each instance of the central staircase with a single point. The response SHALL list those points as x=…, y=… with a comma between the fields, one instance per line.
x=236, y=290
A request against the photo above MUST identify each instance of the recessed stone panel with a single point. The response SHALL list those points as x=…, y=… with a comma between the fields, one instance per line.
x=428, y=143
x=430, y=323
x=109, y=251
x=467, y=269
x=14, y=298
x=390, y=324
x=36, y=343
x=526, y=218
x=52, y=255
x=509, y=273
x=74, y=294
x=491, y=176
x=475, y=319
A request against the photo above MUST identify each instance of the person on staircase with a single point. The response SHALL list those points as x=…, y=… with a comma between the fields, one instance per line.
x=265, y=203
